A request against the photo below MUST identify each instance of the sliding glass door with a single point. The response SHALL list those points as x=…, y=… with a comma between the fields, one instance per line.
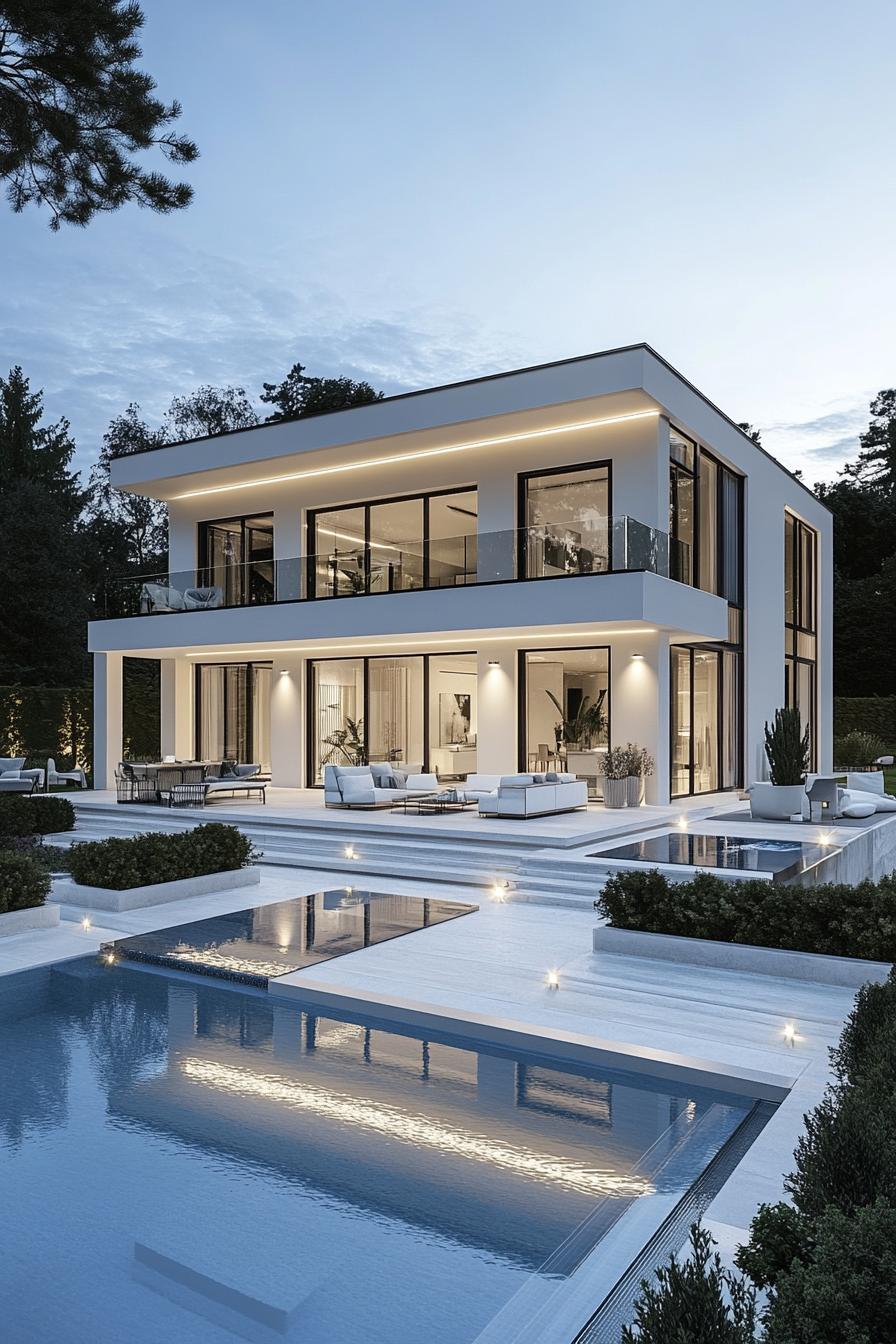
x=233, y=713
x=566, y=719
x=236, y=555
x=705, y=719
x=394, y=545
x=414, y=712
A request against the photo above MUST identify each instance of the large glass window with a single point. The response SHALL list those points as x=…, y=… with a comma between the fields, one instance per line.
x=567, y=711
x=236, y=555
x=706, y=720
x=800, y=653
x=415, y=711
x=567, y=521
x=705, y=520
x=425, y=541
x=233, y=712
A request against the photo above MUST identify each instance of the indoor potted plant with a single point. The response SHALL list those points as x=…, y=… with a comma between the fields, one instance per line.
x=640, y=765
x=613, y=765
x=787, y=751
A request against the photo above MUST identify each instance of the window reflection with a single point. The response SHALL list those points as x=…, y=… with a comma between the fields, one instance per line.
x=567, y=522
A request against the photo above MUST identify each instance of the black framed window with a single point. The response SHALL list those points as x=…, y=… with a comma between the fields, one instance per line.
x=236, y=555
x=414, y=711
x=705, y=520
x=564, y=711
x=566, y=514
x=233, y=712
x=394, y=545
x=800, y=624
x=706, y=718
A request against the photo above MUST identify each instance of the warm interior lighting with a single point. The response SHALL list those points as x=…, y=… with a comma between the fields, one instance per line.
x=422, y=1131
x=419, y=453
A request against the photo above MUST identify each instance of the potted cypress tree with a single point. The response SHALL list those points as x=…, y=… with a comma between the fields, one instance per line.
x=787, y=751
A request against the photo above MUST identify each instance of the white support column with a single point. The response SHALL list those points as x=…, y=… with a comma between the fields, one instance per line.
x=177, y=736
x=639, y=702
x=107, y=717
x=497, y=726
x=287, y=735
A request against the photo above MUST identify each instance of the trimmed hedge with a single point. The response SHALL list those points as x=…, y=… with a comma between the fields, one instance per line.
x=143, y=860
x=24, y=814
x=866, y=714
x=23, y=883
x=834, y=918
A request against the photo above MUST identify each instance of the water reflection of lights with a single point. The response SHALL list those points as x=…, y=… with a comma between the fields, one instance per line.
x=418, y=1130
x=226, y=961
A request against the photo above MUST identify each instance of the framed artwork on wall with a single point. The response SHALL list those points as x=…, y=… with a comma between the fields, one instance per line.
x=454, y=718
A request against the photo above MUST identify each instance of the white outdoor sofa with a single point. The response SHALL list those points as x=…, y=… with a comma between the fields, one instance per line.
x=536, y=795
x=373, y=786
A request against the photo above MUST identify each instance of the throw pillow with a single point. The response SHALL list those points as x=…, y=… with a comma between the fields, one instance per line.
x=866, y=781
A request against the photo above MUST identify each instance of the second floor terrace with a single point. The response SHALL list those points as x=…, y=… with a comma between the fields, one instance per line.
x=357, y=564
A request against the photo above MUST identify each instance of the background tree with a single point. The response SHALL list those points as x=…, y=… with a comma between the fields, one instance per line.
x=135, y=526
x=750, y=432
x=74, y=110
x=299, y=395
x=877, y=458
x=208, y=410
x=44, y=608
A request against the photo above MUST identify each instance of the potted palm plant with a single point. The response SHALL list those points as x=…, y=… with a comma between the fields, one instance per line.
x=787, y=750
x=640, y=765
x=346, y=745
x=613, y=765
x=587, y=724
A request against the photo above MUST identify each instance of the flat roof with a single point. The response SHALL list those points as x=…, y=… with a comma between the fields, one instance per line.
x=489, y=378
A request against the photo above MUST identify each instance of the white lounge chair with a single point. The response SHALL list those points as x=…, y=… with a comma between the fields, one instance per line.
x=54, y=776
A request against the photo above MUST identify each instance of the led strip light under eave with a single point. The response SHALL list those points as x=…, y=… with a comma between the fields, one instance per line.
x=463, y=641
x=420, y=453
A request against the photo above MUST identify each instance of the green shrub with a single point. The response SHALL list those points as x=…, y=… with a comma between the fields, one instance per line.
x=857, y=748
x=847, y=1155
x=868, y=1040
x=845, y=1292
x=833, y=918
x=866, y=714
x=23, y=883
x=26, y=814
x=142, y=860
x=779, y=1234
x=695, y=1301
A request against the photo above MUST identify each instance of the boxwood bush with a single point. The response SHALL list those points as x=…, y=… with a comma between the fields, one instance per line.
x=26, y=814
x=143, y=860
x=833, y=918
x=23, y=883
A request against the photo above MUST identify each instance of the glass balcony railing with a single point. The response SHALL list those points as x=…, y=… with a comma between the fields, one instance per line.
x=547, y=551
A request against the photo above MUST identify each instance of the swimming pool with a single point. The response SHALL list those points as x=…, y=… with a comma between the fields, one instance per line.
x=185, y=1161
x=753, y=856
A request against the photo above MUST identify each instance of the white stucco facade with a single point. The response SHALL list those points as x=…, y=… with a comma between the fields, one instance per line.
x=614, y=410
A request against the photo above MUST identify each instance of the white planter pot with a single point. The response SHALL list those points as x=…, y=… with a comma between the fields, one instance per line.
x=742, y=957
x=633, y=791
x=615, y=792
x=104, y=898
x=776, y=802
x=35, y=917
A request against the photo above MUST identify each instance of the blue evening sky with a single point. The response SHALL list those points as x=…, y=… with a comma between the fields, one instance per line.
x=416, y=192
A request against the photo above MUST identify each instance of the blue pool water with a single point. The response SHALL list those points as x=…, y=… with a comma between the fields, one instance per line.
x=186, y=1162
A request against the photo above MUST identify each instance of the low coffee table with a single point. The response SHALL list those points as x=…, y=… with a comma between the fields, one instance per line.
x=437, y=804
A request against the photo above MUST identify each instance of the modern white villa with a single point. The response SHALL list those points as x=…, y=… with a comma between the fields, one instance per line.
x=438, y=580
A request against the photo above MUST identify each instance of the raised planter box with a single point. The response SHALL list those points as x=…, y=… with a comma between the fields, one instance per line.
x=849, y=972
x=104, y=898
x=35, y=917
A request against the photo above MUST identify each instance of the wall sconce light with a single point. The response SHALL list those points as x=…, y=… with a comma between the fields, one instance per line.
x=637, y=657
x=493, y=662
x=284, y=671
